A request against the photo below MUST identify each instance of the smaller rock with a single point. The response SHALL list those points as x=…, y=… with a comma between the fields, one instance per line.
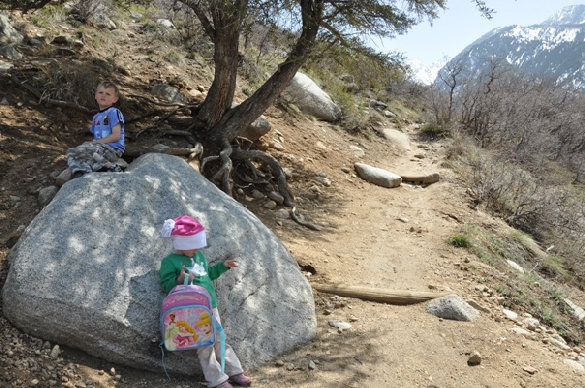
x=560, y=344
x=531, y=323
x=452, y=307
x=511, y=315
x=523, y=332
x=282, y=214
x=515, y=265
x=357, y=151
x=530, y=370
x=46, y=194
x=63, y=177
x=257, y=194
x=55, y=352
x=377, y=175
x=270, y=205
x=474, y=359
x=276, y=197
x=478, y=306
x=342, y=326
x=165, y=22
x=575, y=365
x=312, y=365
x=323, y=180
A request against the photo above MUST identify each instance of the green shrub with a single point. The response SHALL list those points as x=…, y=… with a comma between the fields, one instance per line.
x=433, y=131
x=459, y=241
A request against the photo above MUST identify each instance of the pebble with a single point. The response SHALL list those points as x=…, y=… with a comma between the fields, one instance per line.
x=474, y=359
x=511, y=315
x=55, y=351
x=340, y=325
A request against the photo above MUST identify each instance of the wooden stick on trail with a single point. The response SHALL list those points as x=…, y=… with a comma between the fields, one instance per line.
x=401, y=297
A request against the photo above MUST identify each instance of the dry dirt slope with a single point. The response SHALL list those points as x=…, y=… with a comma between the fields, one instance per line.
x=373, y=236
x=397, y=239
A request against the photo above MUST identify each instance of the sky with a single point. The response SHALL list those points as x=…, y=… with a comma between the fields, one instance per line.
x=461, y=23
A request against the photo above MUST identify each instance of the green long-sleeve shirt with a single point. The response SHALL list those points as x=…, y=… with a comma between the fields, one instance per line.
x=170, y=269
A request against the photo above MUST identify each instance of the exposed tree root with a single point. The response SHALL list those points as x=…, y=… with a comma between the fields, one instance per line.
x=295, y=218
x=229, y=154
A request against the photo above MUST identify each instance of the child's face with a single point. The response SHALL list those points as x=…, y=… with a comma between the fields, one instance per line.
x=105, y=97
x=190, y=252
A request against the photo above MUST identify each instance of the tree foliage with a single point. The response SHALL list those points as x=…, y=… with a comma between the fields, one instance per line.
x=310, y=23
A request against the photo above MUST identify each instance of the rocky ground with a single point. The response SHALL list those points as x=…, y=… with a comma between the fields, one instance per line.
x=387, y=239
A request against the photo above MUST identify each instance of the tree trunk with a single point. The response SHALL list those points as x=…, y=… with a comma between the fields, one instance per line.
x=225, y=33
x=244, y=114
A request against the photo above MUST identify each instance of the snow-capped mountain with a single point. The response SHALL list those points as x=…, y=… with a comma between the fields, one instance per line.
x=423, y=73
x=554, y=49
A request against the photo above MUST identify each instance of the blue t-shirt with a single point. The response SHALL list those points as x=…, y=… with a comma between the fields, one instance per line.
x=104, y=121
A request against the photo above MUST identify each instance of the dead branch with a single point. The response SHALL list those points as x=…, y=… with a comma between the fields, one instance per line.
x=401, y=297
x=191, y=153
x=179, y=104
x=37, y=94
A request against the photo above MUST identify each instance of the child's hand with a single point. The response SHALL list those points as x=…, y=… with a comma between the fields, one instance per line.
x=181, y=277
x=231, y=263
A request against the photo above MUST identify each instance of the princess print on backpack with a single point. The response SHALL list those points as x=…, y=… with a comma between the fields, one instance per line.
x=188, y=279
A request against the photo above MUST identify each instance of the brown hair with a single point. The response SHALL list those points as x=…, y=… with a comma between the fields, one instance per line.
x=109, y=85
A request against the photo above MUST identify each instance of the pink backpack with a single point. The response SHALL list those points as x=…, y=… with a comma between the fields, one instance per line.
x=187, y=320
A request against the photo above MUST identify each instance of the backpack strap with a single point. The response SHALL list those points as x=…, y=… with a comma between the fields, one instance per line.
x=221, y=341
x=162, y=352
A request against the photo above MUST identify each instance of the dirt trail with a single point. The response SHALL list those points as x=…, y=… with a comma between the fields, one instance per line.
x=397, y=239
x=386, y=237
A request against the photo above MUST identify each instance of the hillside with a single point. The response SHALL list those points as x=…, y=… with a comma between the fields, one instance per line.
x=371, y=236
x=550, y=50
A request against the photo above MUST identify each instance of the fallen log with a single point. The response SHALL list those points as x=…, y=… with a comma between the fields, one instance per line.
x=401, y=297
x=421, y=179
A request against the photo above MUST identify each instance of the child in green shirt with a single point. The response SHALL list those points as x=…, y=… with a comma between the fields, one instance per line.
x=187, y=260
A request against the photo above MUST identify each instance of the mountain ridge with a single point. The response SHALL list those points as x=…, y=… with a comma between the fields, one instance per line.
x=552, y=49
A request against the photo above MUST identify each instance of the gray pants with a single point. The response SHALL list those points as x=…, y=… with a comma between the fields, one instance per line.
x=210, y=356
x=90, y=157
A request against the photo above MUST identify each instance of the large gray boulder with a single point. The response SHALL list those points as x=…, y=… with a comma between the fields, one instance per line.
x=310, y=98
x=85, y=271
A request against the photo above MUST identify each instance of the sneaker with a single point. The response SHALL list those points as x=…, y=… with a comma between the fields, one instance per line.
x=240, y=379
x=225, y=384
x=114, y=168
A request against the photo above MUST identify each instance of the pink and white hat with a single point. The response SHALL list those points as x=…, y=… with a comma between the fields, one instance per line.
x=188, y=233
